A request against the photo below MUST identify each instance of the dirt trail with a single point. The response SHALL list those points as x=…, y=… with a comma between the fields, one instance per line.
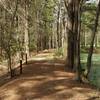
x=46, y=80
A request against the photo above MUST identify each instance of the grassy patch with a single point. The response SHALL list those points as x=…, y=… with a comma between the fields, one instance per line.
x=95, y=70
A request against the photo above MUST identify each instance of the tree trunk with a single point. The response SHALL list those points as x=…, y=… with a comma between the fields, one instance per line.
x=89, y=59
x=26, y=36
x=70, y=45
x=73, y=51
x=58, y=25
x=77, y=63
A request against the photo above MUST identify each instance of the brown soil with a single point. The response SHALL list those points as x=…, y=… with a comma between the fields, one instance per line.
x=45, y=80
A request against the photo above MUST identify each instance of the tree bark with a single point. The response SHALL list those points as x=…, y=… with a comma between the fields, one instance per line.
x=73, y=51
x=58, y=25
x=26, y=35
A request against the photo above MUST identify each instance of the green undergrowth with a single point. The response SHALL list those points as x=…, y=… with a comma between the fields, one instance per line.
x=95, y=70
x=86, y=50
x=59, y=52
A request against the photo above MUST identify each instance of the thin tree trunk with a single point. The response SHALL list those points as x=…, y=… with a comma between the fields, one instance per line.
x=89, y=59
x=26, y=36
x=58, y=25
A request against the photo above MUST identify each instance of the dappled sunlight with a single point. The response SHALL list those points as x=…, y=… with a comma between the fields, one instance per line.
x=39, y=59
x=3, y=69
x=49, y=50
x=68, y=74
x=60, y=87
x=9, y=95
x=43, y=56
x=45, y=80
x=26, y=84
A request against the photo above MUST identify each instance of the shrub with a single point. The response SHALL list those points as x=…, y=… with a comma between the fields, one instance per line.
x=59, y=52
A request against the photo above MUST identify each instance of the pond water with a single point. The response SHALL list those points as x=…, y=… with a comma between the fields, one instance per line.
x=95, y=70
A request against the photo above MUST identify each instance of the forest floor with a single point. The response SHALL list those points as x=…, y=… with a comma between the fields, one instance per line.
x=44, y=78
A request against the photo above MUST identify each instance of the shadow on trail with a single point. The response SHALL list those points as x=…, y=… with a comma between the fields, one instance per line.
x=6, y=78
x=44, y=79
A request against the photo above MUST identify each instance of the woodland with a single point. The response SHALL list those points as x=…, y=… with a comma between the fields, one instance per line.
x=49, y=50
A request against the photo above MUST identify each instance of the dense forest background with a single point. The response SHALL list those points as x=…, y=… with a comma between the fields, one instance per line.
x=68, y=27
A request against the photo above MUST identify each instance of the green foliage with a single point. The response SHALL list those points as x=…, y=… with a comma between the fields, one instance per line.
x=88, y=16
x=88, y=20
x=84, y=49
x=89, y=7
x=59, y=52
x=95, y=71
x=48, y=16
x=32, y=47
x=48, y=11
